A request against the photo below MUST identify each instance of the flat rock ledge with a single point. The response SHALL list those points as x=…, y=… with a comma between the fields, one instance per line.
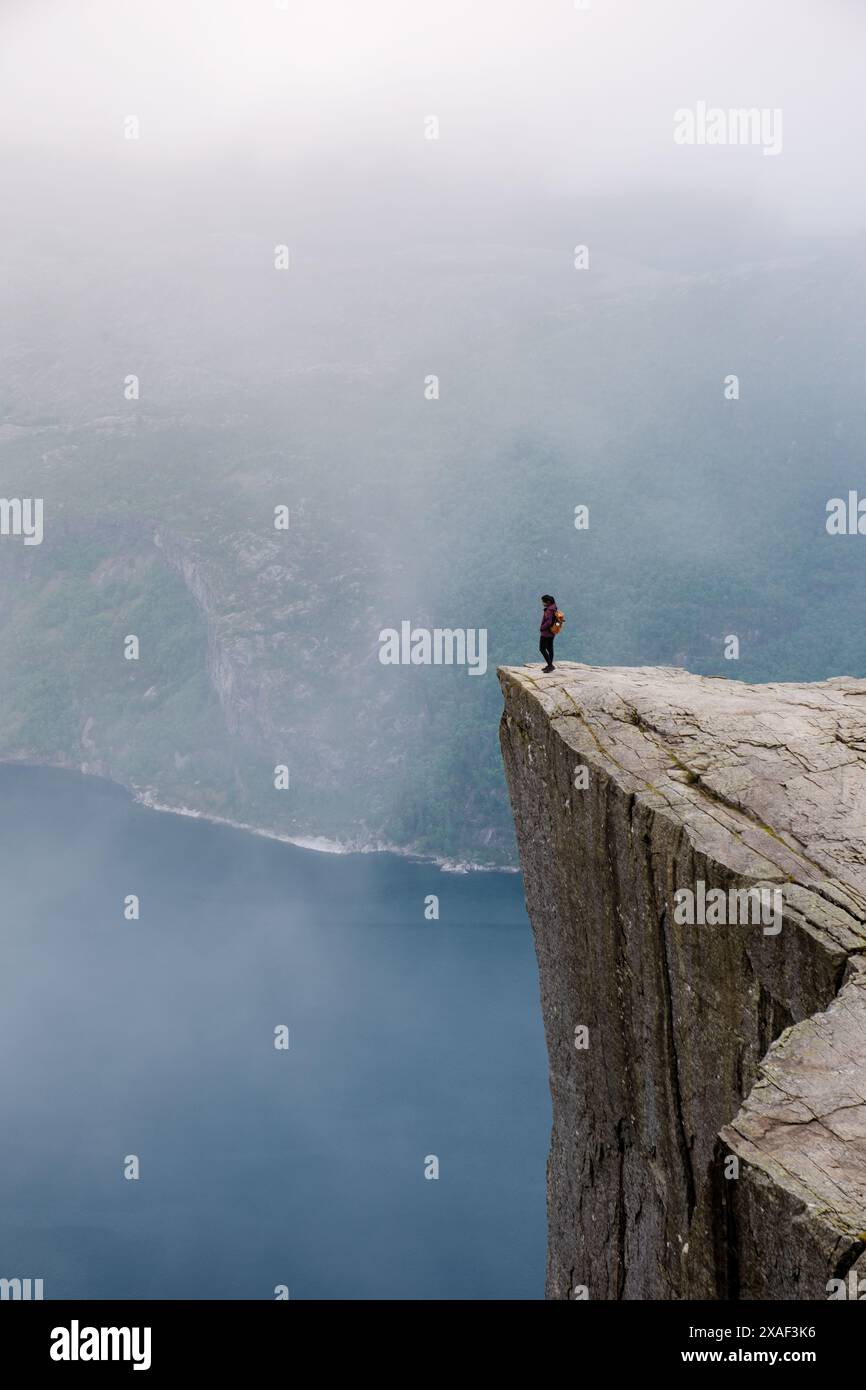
x=694, y=859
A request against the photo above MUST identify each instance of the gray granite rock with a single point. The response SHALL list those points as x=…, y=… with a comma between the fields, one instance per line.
x=709, y=1141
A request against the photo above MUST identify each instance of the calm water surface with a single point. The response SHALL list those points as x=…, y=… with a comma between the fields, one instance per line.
x=259, y=1167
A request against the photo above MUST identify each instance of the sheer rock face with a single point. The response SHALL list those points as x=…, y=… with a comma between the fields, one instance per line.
x=710, y=1140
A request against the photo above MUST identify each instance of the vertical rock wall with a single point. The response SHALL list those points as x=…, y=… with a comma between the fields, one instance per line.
x=675, y=1169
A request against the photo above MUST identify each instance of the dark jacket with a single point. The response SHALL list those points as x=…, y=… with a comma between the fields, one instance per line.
x=548, y=620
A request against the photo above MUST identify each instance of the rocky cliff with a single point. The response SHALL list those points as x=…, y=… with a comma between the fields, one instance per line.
x=694, y=854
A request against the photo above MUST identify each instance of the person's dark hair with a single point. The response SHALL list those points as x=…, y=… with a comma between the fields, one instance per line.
x=548, y=598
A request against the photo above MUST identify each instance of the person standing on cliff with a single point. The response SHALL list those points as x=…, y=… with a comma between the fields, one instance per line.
x=548, y=620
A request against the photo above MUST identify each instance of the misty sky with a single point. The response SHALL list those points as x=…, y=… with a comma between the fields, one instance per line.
x=533, y=98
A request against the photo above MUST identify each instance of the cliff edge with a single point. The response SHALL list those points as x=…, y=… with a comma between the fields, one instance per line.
x=694, y=859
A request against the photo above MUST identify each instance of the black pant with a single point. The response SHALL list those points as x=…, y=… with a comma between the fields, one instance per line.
x=545, y=646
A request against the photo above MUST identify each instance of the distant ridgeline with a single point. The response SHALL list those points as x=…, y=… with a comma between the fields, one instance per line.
x=263, y=601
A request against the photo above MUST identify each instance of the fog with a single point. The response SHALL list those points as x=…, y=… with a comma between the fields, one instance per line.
x=541, y=100
x=153, y=259
x=432, y=388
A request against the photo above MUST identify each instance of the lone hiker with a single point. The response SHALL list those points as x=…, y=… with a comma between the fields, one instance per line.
x=550, y=625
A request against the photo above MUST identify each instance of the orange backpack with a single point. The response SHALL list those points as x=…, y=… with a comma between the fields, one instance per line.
x=556, y=625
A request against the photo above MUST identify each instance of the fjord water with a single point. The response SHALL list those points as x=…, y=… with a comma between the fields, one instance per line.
x=259, y=1167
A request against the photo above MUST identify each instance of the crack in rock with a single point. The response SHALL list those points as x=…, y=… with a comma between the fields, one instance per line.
x=722, y=1163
